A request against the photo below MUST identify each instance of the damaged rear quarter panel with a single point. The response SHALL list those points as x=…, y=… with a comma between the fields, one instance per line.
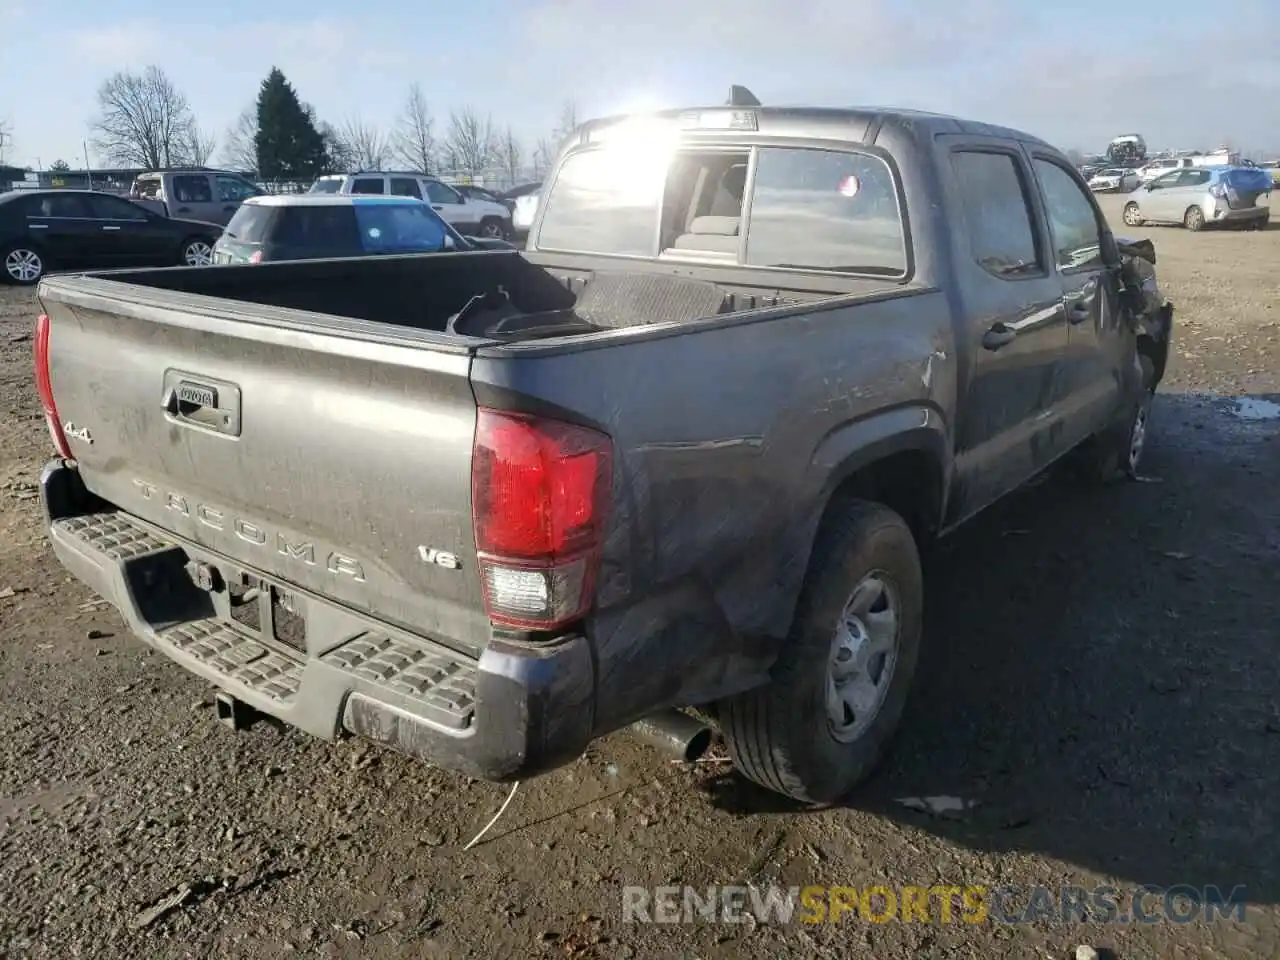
x=729, y=435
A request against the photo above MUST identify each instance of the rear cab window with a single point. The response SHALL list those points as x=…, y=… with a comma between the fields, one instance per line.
x=368, y=185
x=802, y=208
x=191, y=188
x=327, y=185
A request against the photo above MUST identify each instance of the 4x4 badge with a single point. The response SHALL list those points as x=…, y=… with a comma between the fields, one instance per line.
x=73, y=432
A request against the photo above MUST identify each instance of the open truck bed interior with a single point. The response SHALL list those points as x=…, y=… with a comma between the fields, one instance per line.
x=493, y=295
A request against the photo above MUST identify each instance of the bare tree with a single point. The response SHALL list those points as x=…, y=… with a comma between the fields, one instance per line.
x=197, y=147
x=544, y=154
x=414, y=141
x=240, y=142
x=364, y=144
x=470, y=142
x=510, y=155
x=143, y=120
x=568, y=121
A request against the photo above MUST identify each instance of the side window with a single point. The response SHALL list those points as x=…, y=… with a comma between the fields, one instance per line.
x=113, y=208
x=1193, y=178
x=1165, y=180
x=997, y=218
x=147, y=187
x=65, y=206
x=440, y=193
x=192, y=188
x=367, y=185
x=405, y=187
x=1073, y=224
x=825, y=210
x=318, y=230
x=235, y=190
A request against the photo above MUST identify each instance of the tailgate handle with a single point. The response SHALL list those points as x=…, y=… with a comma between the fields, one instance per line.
x=212, y=405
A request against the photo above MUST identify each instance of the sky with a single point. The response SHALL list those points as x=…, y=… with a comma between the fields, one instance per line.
x=1184, y=74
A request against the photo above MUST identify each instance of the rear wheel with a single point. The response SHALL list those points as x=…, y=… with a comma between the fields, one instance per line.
x=1193, y=219
x=23, y=264
x=838, y=689
x=1132, y=215
x=196, y=252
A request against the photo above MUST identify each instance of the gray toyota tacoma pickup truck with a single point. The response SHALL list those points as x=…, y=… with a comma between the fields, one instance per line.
x=685, y=451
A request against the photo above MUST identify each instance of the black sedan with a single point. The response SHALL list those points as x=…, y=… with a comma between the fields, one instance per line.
x=42, y=230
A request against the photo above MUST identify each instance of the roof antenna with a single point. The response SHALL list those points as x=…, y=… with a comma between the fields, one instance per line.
x=742, y=97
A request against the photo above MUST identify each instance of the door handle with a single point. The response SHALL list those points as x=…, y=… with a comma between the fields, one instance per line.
x=37, y=226
x=1077, y=310
x=998, y=336
x=184, y=209
x=436, y=206
x=110, y=227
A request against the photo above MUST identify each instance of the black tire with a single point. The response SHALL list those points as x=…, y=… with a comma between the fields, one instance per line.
x=494, y=228
x=1110, y=455
x=780, y=735
x=1193, y=219
x=10, y=269
x=188, y=245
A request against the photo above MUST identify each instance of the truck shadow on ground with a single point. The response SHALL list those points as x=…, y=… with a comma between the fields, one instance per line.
x=1099, y=670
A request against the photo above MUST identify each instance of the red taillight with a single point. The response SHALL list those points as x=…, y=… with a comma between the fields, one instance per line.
x=255, y=257
x=44, y=387
x=539, y=491
x=1218, y=190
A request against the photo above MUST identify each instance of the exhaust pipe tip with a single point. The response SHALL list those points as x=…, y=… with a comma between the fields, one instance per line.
x=675, y=733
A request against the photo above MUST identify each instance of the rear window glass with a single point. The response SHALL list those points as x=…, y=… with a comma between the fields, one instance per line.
x=811, y=209
x=367, y=185
x=825, y=210
x=250, y=224
x=1246, y=179
x=319, y=231
x=399, y=228
x=605, y=201
x=327, y=186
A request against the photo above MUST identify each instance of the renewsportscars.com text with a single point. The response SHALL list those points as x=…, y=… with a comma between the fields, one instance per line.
x=941, y=904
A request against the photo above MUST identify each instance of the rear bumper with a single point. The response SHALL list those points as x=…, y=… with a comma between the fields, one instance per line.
x=516, y=711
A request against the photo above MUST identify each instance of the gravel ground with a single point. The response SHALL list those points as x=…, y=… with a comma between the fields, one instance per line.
x=1099, y=677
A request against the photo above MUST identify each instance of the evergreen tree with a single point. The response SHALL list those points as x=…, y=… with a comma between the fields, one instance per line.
x=288, y=143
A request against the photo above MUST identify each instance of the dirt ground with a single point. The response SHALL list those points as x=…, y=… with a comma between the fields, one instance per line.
x=1100, y=677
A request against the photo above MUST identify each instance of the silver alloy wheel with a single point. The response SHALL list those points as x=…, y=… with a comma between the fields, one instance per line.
x=1132, y=215
x=23, y=265
x=864, y=653
x=197, y=253
x=1138, y=435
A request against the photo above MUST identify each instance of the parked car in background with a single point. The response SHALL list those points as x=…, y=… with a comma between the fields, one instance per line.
x=311, y=226
x=523, y=201
x=1273, y=168
x=1114, y=180
x=1161, y=166
x=211, y=196
x=472, y=192
x=43, y=230
x=471, y=217
x=1203, y=196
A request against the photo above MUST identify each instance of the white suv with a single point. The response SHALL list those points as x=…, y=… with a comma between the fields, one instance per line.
x=473, y=218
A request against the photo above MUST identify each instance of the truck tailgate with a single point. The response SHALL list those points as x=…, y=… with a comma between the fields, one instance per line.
x=321, y=457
